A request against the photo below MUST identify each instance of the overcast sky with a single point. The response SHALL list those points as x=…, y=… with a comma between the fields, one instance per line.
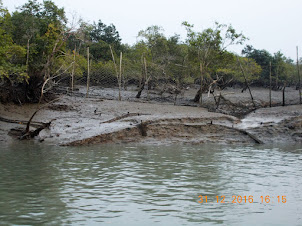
x=270, y=24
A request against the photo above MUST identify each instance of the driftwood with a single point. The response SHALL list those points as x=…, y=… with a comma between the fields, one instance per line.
x=34, y=124
x=27, y=134
x=250, y=135
x=33, y=115
x=122, y=117
x=31, y=134
x=245, y=133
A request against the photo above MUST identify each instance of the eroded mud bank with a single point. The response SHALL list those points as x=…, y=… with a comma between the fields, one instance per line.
x=79, y=121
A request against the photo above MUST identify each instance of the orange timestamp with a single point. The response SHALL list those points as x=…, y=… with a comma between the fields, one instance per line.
x=243, y=199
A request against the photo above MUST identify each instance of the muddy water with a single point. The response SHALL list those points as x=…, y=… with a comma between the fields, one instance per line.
x=147, y=185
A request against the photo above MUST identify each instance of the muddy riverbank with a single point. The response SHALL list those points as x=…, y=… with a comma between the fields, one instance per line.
x=81, y=121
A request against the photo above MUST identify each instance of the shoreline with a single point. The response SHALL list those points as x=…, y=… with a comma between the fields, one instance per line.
x=79, y=121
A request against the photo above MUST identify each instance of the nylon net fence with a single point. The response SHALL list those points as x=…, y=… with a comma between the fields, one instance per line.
x=125, y=80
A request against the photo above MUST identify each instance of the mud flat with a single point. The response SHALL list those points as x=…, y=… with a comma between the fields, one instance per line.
x=80, y=121
x=275, y=125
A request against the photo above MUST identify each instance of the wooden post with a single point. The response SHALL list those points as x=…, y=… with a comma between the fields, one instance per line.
x=299, y=78
x=88, y=72
x=270, y=84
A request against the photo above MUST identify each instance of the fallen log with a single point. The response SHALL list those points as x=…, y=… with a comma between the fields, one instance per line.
x=248, y=134
x=34, y=124
x=251, y=136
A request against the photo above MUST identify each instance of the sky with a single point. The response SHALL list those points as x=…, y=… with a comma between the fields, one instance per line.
x=273, y=25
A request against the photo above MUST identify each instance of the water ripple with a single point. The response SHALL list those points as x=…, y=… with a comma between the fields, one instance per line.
x=146, y=185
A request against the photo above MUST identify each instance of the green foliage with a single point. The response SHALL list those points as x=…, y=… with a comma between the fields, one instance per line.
x=107, y=34
x=65, y=63
x=11, y=55
x=39, y=28
x=166, y=56
x=100, y=51
x=35, y=42
x=282, y=68
x=98, y=36
x=208, y=48
x=251, y=70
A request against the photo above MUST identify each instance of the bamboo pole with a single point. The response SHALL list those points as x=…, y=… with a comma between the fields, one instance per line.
x=115, y=67
x=298, y=68
x=88, y=72
x=277, y=76
x=73, y=69
x=270, y=84
x=120, y=78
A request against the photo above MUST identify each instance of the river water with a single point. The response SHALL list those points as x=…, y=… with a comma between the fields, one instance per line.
x=150, y=185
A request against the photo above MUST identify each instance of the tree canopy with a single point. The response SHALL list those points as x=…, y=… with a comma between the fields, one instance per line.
x=36, y=43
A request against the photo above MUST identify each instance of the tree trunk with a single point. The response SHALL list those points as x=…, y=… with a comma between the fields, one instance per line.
x=144, y=77
x=198, y=96
x=141, y=88
x=283, y=95
x=246, y=83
